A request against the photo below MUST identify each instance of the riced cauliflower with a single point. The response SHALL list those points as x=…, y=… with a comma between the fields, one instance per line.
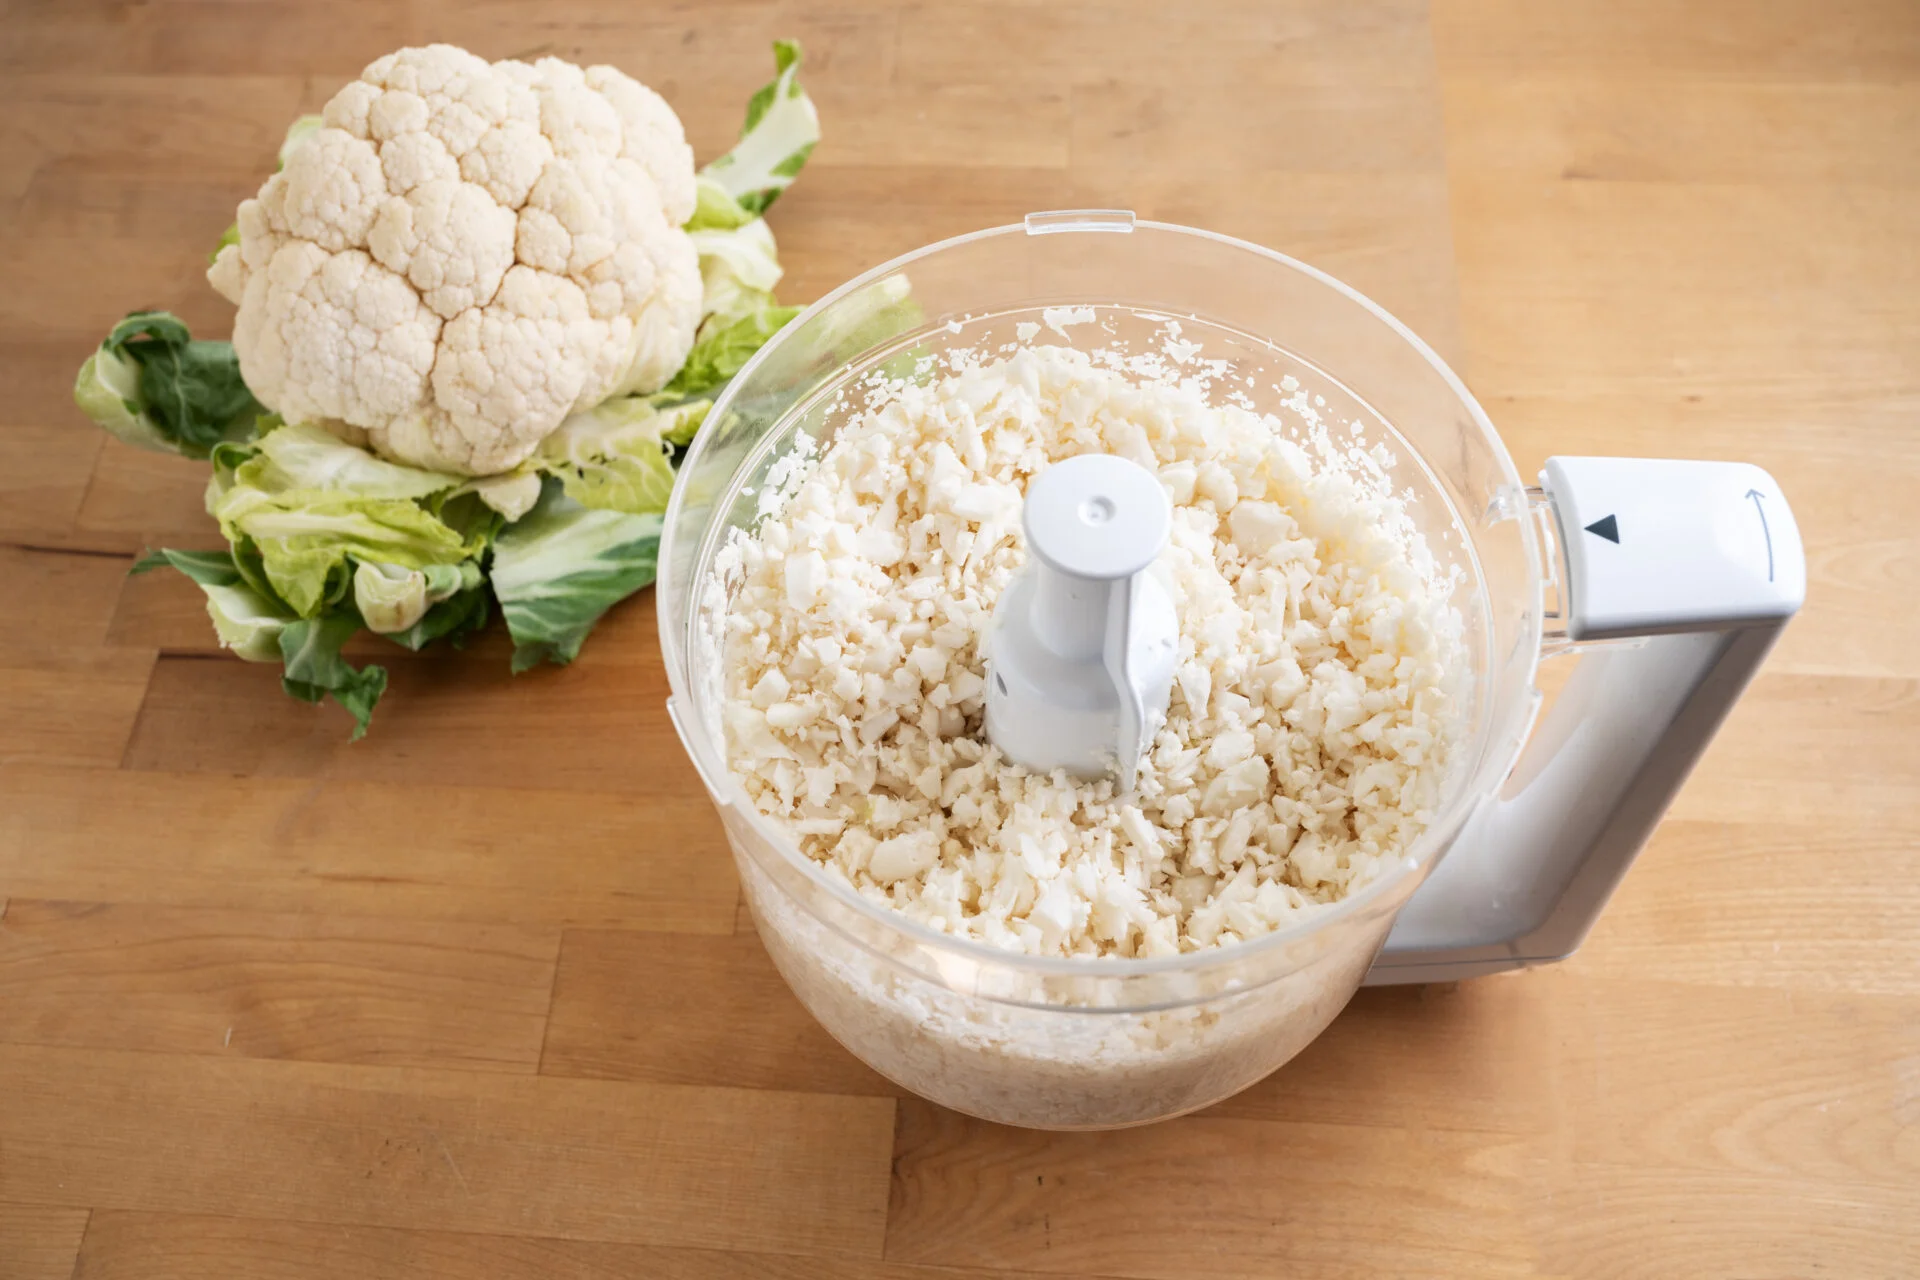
x=465, y=253
x=1312, y=712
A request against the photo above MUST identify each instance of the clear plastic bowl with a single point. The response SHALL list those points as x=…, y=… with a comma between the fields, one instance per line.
x=1080, y=1044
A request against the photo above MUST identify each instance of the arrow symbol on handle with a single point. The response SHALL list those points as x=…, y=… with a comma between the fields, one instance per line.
x=1760, y=506
x=1606, y=527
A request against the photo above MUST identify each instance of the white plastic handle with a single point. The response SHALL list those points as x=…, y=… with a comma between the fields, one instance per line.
x=1705, y=559
x=1081, y=653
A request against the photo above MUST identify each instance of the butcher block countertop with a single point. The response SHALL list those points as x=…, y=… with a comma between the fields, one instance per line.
x=477, y=997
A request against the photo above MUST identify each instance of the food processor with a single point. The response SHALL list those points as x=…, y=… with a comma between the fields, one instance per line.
x=1666, y=581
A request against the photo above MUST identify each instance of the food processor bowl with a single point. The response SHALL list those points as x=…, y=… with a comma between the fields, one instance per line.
x=1062, y=1043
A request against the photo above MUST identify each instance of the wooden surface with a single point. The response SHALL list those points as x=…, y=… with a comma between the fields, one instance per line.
x=474, y=997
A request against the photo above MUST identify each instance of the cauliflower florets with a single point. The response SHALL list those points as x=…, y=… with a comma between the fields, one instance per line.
x=465, y=254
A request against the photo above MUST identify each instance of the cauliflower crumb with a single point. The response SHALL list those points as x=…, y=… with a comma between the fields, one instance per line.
x=1310, y=722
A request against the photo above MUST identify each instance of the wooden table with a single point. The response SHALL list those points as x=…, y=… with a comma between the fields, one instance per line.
x=474, y=997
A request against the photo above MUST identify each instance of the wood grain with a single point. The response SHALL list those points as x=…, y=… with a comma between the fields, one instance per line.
x=1333, y=1200
x=1751, y=1082
x=39, y=382
x=1466, y=1042
x=477, y=997
x=1736, y=904
x=43, y=477
x=139, y=500
x=1858, y=735
x=1283, y=47
x=66, y=595
x=679, y=1010
x=575, y=729
x=75, y=706
x=148, y=1246
x=254, y=984
x=495, y=854
x=1582, y=128
x=39, y=1244
x=1775, y=40
x=1613, y=1222
x=468, y=1151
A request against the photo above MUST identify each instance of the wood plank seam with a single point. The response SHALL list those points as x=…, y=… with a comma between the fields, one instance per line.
x=770, y=1263
x=81, y=1252
x=553, y=985
x=94, y=553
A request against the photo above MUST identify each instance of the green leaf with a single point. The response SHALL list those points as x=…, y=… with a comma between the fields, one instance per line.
x=715, y=209
x=153, y=386
x=512, y=494
x=306, y=502
x=739, y=264
x=391, y=599
x=738, y=269
x=298, y=133
x=302, y=456
x=253, y=570
x=718, y=355
x=614, y=457
x=259, y=628
x=247, y=621
x=208, y=568
x=686, y=423
x=738, y=313
x=454, y=619
x=310, y=650
x=305, y=539
x=786, y=55
x=230, y=236
x=470, y=515
x=780, y=132
x=556, y=572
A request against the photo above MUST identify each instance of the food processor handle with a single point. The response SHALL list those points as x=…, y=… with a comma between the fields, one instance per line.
x=1696, y=567
x=1081, y=652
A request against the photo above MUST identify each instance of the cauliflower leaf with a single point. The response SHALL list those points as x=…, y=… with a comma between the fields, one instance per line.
x=512, y=493
x=781, y=130
x=739, y=263
x=725, y=350
x=314, y=669
x=453, y=619
x=557, y=571
x=154, y=386
x=615, y=457
x=714, y=209
x=259, y=628
x=302, y=456
x=307, y=501
x=247, y=622
x=738, y=269
x=394, y=600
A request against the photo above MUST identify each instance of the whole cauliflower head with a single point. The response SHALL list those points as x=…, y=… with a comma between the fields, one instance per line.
x=466, y=253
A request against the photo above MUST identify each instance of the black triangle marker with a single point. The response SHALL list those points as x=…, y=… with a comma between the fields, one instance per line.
x=1606, y=528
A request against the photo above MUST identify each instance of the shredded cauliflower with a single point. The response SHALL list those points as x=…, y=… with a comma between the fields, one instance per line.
x=466, y=253
x=1310, y=719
